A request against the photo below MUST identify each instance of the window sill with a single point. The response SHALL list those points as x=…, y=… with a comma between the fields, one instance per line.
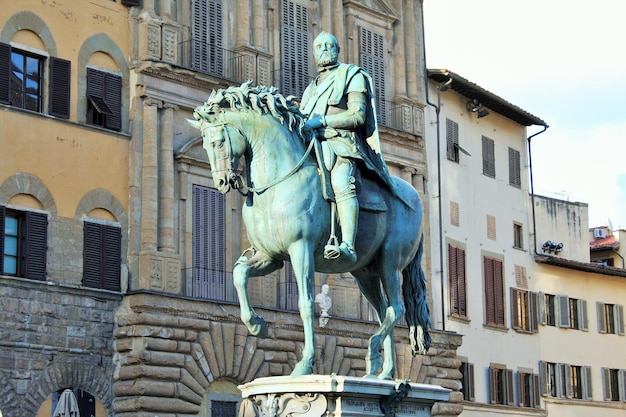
x=502, y=329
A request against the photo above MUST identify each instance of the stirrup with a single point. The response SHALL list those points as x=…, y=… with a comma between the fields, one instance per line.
x=343, y=251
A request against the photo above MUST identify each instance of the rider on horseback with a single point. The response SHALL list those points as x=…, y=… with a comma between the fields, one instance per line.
x=341, y=111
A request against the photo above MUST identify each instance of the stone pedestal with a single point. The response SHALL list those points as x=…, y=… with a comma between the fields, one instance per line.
x=337, y=396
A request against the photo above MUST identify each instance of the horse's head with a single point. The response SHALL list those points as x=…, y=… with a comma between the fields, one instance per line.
x=224, y=146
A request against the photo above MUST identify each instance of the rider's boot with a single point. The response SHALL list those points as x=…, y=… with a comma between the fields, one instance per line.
x=348, y=211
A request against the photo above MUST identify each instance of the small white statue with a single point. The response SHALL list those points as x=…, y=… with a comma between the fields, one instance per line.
x=325, y=303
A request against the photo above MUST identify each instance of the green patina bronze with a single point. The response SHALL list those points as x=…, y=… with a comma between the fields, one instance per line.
x=288, y=216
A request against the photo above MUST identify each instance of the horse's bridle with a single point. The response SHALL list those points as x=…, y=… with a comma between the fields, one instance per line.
x=235, y=178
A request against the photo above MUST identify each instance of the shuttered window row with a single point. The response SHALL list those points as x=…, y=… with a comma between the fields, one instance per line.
x=562, y=380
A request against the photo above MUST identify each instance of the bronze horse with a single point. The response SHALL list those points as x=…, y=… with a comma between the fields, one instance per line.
x=287, y=218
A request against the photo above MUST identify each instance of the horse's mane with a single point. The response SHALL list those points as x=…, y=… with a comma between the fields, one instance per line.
x=260, y=98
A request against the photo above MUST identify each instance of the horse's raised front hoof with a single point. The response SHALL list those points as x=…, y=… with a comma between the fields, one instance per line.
x=302, y=368
x=258, y=327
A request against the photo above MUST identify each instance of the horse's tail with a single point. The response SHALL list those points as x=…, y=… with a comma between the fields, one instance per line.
x=417, y=312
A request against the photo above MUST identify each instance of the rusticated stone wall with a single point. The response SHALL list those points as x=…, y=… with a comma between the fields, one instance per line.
x=170, y=349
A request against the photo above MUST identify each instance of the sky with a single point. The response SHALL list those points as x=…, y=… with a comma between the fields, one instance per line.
x=563, y=61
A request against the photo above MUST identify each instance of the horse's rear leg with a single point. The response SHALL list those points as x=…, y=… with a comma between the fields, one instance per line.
x=258, y=265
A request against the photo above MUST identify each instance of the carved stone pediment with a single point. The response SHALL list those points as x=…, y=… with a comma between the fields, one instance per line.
x=377, y=9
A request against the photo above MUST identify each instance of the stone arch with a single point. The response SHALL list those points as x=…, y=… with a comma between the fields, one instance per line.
x=101, y=42
x=8, y=399
x=23, y=183
x=29, y=20
x=70, y=373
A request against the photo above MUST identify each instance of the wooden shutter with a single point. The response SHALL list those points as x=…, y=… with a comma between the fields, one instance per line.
x=452, y=140
x=493, y=386
x=585, y=372
x=209, y=242
x=206, y=32
x=499, y=291
x=494, y=291
x=510, y=398
x=544, y=378
x=619, y=319
x=372, y=60
x=92, y=261
x=36, y=245
x=515, y=178
x=102, y=256
x=456, y=264
x=2, y=221
x=583, y=320
x=563, y=315
x=489, y=158
x=601, y=317
x=514, y=308
x=606, y=384
x=533, y=313
x=113, y=98
x=536, y=401
x=112, y=257
x=490, y=315
x=60, y=79
x=468, y=381
x=5, y=74
x=621, y=375
x=294, y=47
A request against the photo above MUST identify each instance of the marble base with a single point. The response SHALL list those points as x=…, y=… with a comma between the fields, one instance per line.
x=337, y=396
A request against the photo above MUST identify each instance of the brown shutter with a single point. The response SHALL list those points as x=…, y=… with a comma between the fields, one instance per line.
x=92, y=261
x=499, y=292
x=113, y=98
x=36, y=246
x=453, y=278
x=5, y=74
x=470, y=371
x=111, y=257
x=60, y=79
x=490, y=308
x=536, y=396
x=493, y=386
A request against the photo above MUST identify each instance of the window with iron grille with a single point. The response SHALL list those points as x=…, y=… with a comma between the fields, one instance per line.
x=494, y=292
x=102, y=256
x=372, y=60
x=23, y=243
x=223, y=408
x=104, y=99
x=489, y=157
x=458, y=284
x=208, y=244
x=515, y=173
x=207, y=54
x=22, y=81
x=294, y=48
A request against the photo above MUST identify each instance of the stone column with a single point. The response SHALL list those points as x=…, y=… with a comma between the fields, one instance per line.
x=166, y=180
x=258, y=24
x=243, y=23
x=149, y=175
x=407, y=175
x=413, y=74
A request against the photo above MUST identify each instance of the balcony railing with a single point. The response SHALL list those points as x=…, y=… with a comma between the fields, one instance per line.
x=217, y=286
x=208, y=59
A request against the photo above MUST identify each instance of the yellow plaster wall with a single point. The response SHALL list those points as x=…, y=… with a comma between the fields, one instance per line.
x=70, y=160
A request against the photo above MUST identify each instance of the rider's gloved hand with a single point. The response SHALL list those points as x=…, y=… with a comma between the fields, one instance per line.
x=315, y=122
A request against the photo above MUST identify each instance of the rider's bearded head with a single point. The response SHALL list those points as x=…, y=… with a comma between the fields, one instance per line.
x=325, y=49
